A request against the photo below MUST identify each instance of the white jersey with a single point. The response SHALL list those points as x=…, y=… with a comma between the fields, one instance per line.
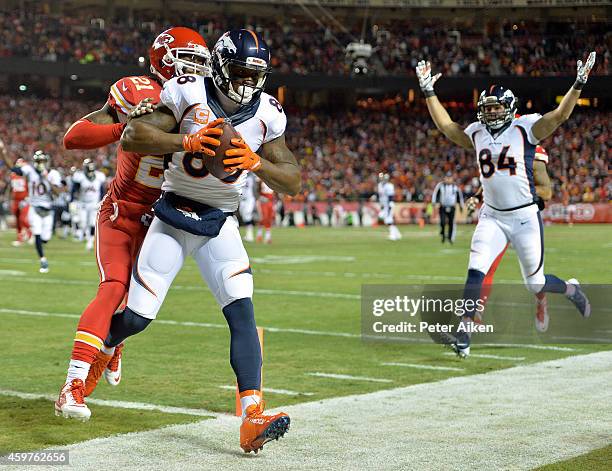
x=506, y=162
x=90, y=190
x=248, y=192
x=40, y=187
x=386, y=193
x=191, y=99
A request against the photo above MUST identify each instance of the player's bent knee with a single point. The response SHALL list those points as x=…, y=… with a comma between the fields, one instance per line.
x=535, y=284
x=236, y=285
x=162, y=260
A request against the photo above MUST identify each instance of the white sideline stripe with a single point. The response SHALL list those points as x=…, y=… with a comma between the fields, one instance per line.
x=520, y=412
x=424, y=367
x=286, y=330
x=188, y=324
x=349, y=377
x=117, y=404
x=488, y=356
x=286, y=392
x=12, y=273
x=274, y=292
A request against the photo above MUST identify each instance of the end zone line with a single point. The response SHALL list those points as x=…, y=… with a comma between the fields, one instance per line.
x=119, y=404
x=266, y=390
x=424, y=367
x=349, y=377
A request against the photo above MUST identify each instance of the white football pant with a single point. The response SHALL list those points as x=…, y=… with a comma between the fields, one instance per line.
x=523, y=229
x=222, y=260
x=40, y=225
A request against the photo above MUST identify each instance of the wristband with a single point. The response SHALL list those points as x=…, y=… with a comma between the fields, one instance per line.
x=428, y=93
x=578, y=85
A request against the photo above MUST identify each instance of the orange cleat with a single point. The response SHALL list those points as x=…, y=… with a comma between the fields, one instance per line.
x=95, y=372
x=71, y=403
x=258, y=429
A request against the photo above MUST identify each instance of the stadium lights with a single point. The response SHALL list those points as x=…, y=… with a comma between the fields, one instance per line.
x=141, y=60
x=74, y=77
x=23, y=88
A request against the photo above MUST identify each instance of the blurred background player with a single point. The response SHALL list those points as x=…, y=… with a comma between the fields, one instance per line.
x=447, y=195
x=43, y=183
x=88, y=188
x=267, y=213
x=386, y=200
x=248, y=205
x=125, y=212
x=19, y=200
x=505, y=148
x=543, y=187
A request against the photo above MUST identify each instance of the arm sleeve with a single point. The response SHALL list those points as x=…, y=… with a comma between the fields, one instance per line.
x=527, y=121
x=434, y=196
x=87, y=135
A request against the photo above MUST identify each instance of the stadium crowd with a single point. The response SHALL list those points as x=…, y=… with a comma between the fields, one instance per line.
x=342, y=152
x=505, y=48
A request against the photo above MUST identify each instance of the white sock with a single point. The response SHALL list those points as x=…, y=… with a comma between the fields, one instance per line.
x=77, y=369
x=268, y=234
x=247, y=401
x=259, y=232
x=108, y=350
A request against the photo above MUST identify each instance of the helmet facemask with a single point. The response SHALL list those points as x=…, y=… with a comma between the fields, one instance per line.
x=41, y=161
x=240, y=81
x=186, y=60
x=490, y=112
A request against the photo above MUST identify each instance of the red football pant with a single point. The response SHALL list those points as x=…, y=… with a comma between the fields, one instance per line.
x=21, y=218
x=267, y=214
x=118, y=239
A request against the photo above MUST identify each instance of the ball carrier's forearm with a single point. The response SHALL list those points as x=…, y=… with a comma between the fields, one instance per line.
x=145, y=138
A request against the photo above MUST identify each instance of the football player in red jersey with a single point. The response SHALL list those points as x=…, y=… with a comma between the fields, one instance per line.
x=125, y=211
x=19, y=203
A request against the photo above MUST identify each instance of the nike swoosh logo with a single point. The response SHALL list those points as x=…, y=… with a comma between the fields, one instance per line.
x=124, y=88
x=524, y=222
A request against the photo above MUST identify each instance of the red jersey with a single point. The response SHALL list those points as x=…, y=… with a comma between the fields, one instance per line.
x=266, y=193
x=19, y=187
x=139, y=177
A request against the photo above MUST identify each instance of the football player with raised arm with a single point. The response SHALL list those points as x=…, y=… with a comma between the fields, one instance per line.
x=505, y=148
x=195, y=216
x=125, y=212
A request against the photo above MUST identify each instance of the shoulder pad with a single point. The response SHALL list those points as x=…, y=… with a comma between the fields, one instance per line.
x=127, y=92
x=181, y=92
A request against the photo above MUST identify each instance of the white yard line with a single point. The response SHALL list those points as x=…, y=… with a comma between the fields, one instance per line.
x=423, y=367
x=348, y=377
x=518, y=418
x=488, y=357
x=286, y=392
x=195, y=287
x=118, y=404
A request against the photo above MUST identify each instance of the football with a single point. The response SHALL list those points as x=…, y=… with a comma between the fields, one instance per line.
x=215, y=164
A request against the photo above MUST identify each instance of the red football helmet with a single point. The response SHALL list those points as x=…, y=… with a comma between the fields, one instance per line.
x=174, y=53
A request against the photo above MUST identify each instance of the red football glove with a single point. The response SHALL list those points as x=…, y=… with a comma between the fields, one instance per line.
x=201, y=141
x=244, y=157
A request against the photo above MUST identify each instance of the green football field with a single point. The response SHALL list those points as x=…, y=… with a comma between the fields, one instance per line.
x=307, y=299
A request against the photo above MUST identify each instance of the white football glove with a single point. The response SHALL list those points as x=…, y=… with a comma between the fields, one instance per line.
x=146, y=106
x=585, y=69
x=471, y=204
x=426, y=81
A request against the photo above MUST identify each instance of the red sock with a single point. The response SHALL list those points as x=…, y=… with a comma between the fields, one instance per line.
x=95, y=321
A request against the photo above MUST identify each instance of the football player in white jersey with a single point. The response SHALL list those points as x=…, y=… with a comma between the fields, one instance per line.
x=247, y=206
x=386, y=199
x=195, y=216
x=505, y=148
x=43, y=183
x=88, y=188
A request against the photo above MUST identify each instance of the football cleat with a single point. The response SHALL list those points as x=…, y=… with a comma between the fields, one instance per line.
x=579, y=299
x=96, y=370
x=541, y=317
x=16, y=243
x=112, y=373
x=460, y=343
x=44, y=266
x=71, y=401
x=258, y=429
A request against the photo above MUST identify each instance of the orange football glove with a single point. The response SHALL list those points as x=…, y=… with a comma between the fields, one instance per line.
x=201, y=141
x=244, y=157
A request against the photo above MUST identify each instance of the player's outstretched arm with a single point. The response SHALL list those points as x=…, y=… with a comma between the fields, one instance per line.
x=438, y=113
x=277, y=166
x=97, y=129
x=548, y=123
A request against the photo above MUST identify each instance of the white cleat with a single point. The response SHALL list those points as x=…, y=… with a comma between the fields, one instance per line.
x=112, y=372
x=16, y=243
x=71, y=402
x=89, y=245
